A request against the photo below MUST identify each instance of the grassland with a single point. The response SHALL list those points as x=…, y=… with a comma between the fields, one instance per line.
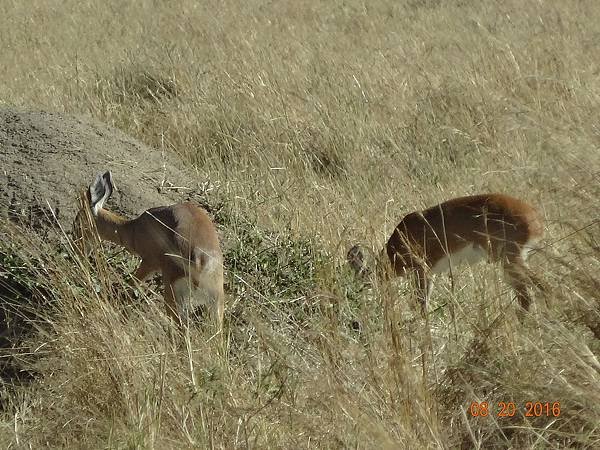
x=319, y=124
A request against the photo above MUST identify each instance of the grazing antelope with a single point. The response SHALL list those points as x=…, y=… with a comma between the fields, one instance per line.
x=180, y=241
x=465, y=229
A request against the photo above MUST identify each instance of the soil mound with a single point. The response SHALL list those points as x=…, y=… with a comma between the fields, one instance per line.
x=47, y=158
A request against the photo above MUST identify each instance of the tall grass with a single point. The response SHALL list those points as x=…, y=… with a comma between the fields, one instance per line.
x=319, y=124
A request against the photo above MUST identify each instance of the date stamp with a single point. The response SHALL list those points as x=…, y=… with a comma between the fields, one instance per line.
x=509, y=409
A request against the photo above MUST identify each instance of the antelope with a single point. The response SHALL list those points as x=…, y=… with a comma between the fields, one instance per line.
x=180, y=241
x=495, y=227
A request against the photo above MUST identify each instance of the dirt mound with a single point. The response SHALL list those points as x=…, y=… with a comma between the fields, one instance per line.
x=47, y=158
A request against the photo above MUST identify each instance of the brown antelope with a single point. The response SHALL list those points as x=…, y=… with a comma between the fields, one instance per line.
x=465, y=229
x=180, y=241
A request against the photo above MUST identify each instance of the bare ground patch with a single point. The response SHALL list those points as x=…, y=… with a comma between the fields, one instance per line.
x=47, y=158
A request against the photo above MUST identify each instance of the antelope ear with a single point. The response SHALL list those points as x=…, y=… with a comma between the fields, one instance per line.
x=356, y=259
x=100, y=191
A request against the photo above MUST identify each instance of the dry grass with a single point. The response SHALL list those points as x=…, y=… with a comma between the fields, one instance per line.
x=321, y=124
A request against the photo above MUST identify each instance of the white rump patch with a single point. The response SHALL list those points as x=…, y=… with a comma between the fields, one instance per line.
x=188, y=297
x=213, y=261
x=469, y=254
x=530, y=246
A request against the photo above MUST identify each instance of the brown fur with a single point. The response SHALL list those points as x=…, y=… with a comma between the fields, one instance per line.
x=499, y=225
x=180, y=241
